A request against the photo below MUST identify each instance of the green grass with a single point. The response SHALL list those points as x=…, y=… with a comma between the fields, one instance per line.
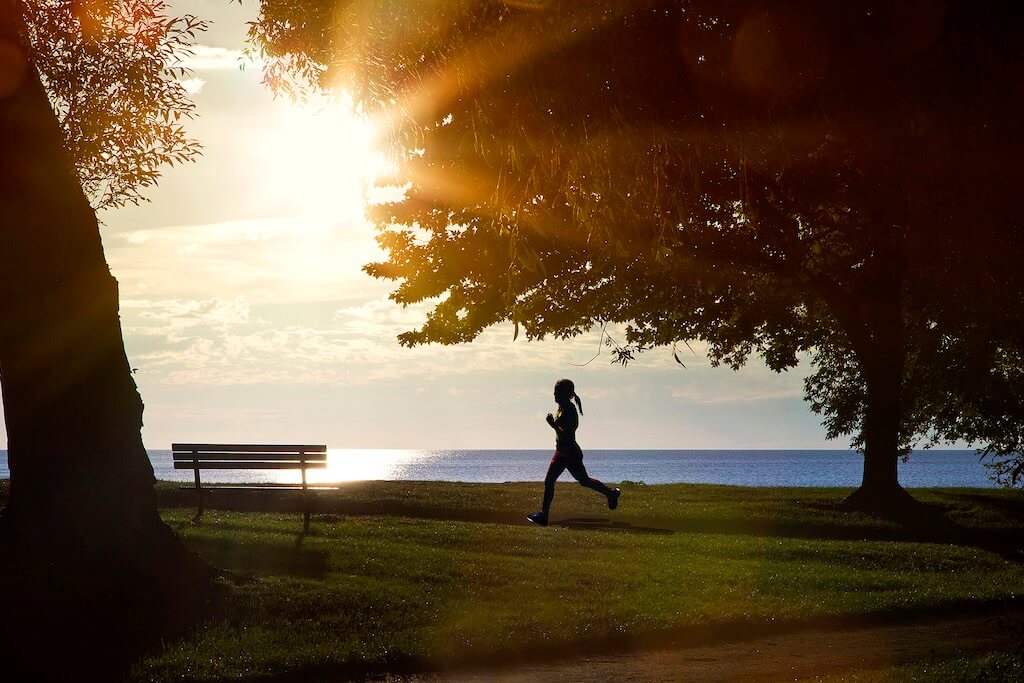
x=379, y=592
x=994, y=666
x=732, y=507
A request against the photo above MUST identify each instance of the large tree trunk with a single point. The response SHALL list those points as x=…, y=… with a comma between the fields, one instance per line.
x=880, y=485
x=81, y=536
x=883, y=361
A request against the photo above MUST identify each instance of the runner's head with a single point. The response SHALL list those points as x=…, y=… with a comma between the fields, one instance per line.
x=566, y=390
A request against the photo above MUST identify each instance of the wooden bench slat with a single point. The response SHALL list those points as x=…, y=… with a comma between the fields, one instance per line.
x=249, y=465
x=227, y=455
x=249, y=447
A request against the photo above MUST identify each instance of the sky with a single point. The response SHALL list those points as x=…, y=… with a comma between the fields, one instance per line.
x=248, y=318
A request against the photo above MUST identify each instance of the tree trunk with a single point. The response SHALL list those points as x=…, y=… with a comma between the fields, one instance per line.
x=882, y=416
x=883, y=362
x=81, y=535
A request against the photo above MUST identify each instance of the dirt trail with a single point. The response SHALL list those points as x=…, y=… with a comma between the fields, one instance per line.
x=789, y=656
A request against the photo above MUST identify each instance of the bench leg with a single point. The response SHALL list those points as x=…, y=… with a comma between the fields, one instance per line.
x=199, y=495
x=305, y=499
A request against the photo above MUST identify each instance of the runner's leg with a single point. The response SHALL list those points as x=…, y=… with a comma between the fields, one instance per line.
x=578, y=469
x=555, y=470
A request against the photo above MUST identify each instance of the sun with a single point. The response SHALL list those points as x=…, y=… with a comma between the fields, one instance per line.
x=320, y=158
x=316, y=163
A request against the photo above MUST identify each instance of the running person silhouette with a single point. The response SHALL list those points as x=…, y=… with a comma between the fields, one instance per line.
x=568, y=455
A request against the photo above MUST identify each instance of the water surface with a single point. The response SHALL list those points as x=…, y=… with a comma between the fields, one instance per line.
x=737, y=467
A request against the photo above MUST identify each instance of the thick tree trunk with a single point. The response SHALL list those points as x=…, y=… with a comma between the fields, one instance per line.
x=81, y=534
x=883, y=362
x=880, y=486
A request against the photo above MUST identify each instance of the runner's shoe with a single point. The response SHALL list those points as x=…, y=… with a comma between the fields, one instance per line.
x=538, y=518
x=613, y=499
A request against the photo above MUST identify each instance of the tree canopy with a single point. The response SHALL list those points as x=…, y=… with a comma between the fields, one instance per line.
x=112, y=71
x=771, y=178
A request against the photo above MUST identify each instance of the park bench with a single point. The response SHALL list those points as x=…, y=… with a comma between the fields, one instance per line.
x=224, y=456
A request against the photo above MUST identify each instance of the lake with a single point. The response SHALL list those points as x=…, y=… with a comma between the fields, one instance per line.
x=951, y=468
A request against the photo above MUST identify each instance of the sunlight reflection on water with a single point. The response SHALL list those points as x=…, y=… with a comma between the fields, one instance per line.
x=353, y=464
x=343, y=464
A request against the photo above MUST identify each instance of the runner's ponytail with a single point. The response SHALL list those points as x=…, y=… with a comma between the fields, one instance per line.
x=579, y=403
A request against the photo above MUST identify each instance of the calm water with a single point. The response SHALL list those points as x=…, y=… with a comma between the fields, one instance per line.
x=744, y=468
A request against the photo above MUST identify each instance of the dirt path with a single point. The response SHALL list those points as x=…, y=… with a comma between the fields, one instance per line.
x=787, y=656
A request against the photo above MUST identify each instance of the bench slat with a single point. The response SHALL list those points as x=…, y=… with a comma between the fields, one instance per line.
x=249, y=465
x=227, y=455
x=249, y=447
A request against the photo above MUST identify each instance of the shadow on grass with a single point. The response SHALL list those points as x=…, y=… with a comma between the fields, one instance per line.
x=1012, y=507
x=920, y=522
x=599, y=524
x=492, y=664
x=239, y=499
x=254, y=556
x=738, y=630
x=934, y=528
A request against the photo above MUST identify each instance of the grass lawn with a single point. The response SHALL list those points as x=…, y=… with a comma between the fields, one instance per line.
x=426, y=584
x=995, y=666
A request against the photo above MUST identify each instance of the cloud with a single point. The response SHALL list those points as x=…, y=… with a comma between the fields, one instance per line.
x=206, y=57
x=745, y=395
x=181, y=314
x=221, y=341
x=217, y=341
x=266, y=260
x=191, y=410
x=383, y=319
x=381, y=316
x=192, y=85
x=723, y=386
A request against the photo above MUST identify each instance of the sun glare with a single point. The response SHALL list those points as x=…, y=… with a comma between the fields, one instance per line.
x=320, y=160
x=315, y=165
x=353, y=464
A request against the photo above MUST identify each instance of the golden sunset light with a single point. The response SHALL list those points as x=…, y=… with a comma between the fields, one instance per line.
x=511, y=340
x=320, y=158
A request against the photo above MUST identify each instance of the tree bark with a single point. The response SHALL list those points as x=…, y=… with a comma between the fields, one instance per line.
x=883, y=410
x=882, y=354
x=81, y=534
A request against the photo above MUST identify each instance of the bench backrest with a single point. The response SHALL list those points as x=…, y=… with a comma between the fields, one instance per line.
x=247, y=456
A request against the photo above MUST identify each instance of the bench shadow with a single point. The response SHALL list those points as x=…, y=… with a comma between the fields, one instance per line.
x=605, y=524
x=255, y=556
